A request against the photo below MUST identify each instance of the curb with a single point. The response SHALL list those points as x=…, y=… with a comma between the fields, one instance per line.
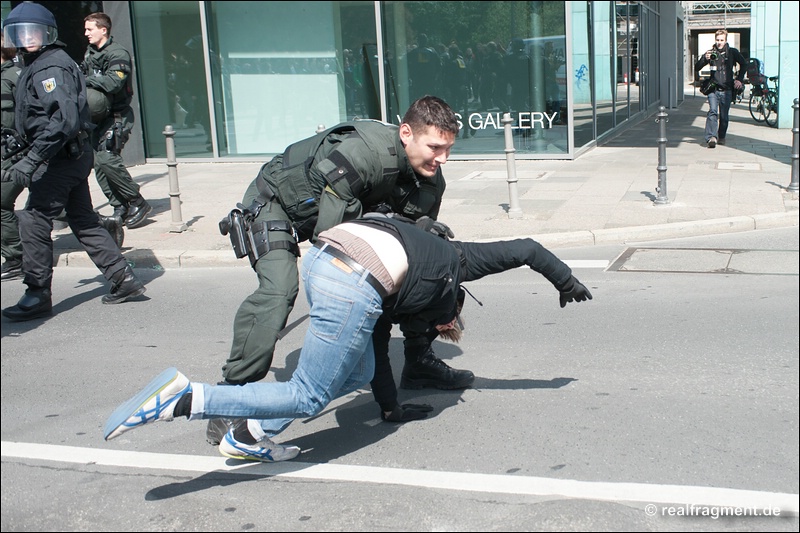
x=170, y=259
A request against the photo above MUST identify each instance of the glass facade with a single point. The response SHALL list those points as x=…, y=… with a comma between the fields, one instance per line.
x=242, y=80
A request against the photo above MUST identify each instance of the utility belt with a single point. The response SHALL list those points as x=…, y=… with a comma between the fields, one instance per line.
x=354, y=266
x=74, y=148
x=251, y=238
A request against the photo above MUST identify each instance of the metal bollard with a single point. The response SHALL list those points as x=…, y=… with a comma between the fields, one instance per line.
x=793, y=187
x=174, y=192
x=662, y=120
x=514, y=211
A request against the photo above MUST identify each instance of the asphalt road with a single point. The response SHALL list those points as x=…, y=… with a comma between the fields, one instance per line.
x=667, y=403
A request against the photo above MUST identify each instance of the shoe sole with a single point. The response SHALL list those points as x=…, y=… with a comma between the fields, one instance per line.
x=38, y=314
x=122, y=413
x=134, y=294
x=256, y=458
x=433, y=384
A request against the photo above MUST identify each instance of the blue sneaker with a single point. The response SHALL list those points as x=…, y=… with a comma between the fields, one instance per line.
x=154, y=402
x=264, y=450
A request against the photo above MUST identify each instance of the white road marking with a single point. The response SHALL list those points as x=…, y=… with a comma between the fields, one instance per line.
x=586, y=263
x=491, y=483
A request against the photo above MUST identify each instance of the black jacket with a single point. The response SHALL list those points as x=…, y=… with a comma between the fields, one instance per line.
x=51, y=101
x=722, y=67
x=436, y=267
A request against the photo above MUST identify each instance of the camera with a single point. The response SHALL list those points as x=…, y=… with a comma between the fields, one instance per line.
x=714, y=55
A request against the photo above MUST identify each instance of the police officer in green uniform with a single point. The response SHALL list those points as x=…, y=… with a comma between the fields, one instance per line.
x=11, y=245
x=336, y=175
x=107, y=67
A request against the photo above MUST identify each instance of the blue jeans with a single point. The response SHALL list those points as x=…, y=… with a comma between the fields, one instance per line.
x=336, y=359
x=719, y=107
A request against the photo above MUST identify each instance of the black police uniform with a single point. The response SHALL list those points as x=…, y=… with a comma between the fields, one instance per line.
x=53, y=116
x=11, y=244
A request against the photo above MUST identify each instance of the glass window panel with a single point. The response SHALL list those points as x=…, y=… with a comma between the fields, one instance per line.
x=172, y=79
x=282, y=69
x=583, y=119
x=604, y=70
x=485, y=59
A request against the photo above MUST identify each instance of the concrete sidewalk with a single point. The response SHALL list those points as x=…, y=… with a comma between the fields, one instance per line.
x=605, y=196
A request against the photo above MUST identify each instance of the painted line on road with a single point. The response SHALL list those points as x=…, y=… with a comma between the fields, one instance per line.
x=586, y=263
x=491, y=483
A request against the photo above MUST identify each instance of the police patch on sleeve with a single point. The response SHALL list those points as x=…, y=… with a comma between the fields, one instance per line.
x=49, y=85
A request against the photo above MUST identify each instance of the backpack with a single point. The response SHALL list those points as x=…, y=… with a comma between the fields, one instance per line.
x=755, y=74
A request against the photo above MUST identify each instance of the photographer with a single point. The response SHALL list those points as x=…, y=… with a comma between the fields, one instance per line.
x=721, y=58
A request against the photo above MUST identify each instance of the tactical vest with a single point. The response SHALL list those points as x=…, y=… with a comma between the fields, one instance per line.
x=308, y=168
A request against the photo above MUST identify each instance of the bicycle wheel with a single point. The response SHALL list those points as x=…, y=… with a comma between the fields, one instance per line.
x=758, y=110
x=771, y=103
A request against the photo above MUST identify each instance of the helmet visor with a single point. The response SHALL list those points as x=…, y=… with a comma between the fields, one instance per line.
x=29, y=35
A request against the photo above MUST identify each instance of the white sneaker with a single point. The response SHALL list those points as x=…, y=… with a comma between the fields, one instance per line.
x=264, y=450
x=153, y=403
x=712, y=142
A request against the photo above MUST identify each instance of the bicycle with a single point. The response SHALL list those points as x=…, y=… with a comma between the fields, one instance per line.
x=764, y=102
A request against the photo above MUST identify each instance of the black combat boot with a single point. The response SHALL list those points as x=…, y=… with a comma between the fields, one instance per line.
x=124, y=286
x=138, y=210
x=34, y=303
x=12, y=269
x=113, y=225
x=430, y=371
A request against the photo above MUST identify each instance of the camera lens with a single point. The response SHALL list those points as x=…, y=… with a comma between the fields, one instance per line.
x=714, y=55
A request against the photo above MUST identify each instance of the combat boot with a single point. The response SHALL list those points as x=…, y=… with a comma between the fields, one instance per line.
x=218, y=427
x=138, y=210
x=430, y=371
x=34, y=303
x=12, y=269
x=124, y=286
x=113, y=225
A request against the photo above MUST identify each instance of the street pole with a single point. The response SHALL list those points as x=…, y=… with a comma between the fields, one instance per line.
x=514, y=211
x=793, y=187
x=174, y=191
x=662, y=198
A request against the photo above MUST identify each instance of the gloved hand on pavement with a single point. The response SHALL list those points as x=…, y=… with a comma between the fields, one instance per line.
x=574, y=291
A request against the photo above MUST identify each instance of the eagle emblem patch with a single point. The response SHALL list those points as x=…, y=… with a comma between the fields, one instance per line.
x=49, y=85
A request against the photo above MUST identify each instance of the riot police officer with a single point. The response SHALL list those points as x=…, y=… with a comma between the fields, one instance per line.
x=11, y=245
x=315, y=184
x=107, y=66
x=52, y=117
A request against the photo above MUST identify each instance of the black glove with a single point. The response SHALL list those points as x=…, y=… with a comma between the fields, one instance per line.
x=407, y=412
x=574, y=291
x=22, y=171
x=437, y=228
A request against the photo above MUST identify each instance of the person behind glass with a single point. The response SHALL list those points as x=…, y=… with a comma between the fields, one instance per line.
x=9, y=191
x=316, y=183
x=356, y=272
x=721, y=58
x=107, y=66
x=52, y=116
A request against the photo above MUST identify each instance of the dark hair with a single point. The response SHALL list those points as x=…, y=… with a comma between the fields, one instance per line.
x=100, y=19
x=8, y=52
x=431, y=111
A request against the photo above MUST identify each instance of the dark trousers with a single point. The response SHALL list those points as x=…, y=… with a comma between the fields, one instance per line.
x=59, y=185
x=11, y=244
x=264, y=313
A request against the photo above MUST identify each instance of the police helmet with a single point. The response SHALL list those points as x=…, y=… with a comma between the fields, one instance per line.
x=30, y=24
x=99, y=104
